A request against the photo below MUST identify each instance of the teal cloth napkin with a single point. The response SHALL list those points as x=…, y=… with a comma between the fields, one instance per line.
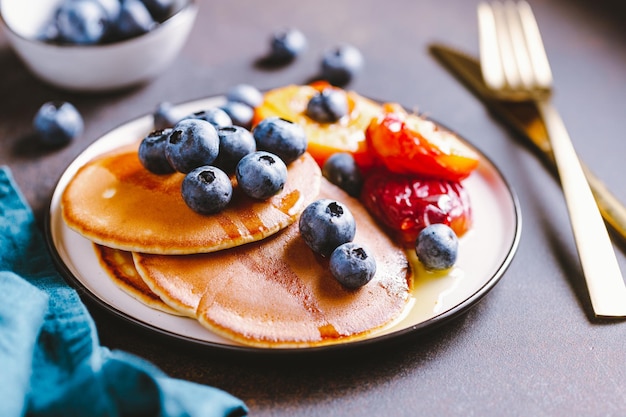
x=51, y=361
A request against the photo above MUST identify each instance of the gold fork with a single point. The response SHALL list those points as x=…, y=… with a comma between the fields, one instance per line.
x=515, y=66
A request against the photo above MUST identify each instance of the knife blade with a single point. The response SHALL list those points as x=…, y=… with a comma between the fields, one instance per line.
x=524, y=120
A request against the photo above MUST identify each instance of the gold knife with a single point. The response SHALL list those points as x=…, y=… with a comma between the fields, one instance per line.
x=524, y=119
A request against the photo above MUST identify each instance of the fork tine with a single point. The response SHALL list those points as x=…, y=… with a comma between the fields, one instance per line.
x=537, y=52
x=505, y=45
x=490, y=60
x=520, y=50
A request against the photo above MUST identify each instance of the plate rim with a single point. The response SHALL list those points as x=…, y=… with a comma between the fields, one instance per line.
x=399, y=335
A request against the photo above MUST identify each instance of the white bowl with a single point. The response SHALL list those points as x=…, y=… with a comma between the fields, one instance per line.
x=95, y=67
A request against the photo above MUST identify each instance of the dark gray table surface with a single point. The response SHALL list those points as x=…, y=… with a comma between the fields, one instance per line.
x=531, y=346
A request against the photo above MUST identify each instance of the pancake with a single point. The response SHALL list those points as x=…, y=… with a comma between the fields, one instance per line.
x=120, y=267
x=278, y=293
x=114, y=201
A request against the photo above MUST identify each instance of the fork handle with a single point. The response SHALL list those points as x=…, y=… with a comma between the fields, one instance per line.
x=597, y=257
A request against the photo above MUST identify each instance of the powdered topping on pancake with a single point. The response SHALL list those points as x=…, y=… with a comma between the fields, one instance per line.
x=114, y=201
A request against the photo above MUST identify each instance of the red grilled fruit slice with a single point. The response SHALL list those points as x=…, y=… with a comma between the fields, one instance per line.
x=410, y=144
x=407, y=204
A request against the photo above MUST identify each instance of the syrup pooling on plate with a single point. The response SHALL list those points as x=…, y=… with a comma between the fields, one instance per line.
x=114, y=201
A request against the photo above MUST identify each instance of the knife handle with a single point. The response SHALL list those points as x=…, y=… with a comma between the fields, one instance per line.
x=612, y=210
x=528, y=124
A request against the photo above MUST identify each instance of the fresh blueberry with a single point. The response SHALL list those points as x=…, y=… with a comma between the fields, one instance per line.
x=281, y=137
x=261, y=175
x=341, y=64
x=325, y=224
x=50, y=32
x=327, y=106
x=241, y=114
x=192, y=143
x=57, y=123
x=152, y=152
x=160, y=9
x=207, y=189
x=437, y=247
x=352, y=265
x=246, y=94
x=214, y=115
x=341, y=169
x=287, y=44
x=83, y=22
x=235, y=143
x=112, y=8
x=134, y=19
x=165, y=116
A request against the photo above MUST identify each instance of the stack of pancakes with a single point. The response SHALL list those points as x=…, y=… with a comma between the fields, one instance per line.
x=244, y=273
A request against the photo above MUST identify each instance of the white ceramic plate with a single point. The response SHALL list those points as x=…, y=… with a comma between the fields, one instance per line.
x=484, y=254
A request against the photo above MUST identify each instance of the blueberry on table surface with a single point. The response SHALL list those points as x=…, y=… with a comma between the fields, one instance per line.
x=240, y=113
x=261, y=175
x=58, y=123
x=352, y=264
x=341, y=64
x=341, y=169
x=326, y=224
x=214, y=115
x=152, y=152
x=81, y=22
x=437, y=247
x=207, y=190
x=165, y=116
x=235, y=143
x=192, y=143
x=246, y=94
x=287, y=44
x=327, y=106
x=281, y=137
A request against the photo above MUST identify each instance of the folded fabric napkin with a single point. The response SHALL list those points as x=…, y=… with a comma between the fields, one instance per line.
x=51, y=362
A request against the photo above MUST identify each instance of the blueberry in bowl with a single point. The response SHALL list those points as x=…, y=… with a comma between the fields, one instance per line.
x=97, y=45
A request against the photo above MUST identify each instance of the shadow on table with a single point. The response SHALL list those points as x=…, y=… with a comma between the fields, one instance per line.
x=292, y=378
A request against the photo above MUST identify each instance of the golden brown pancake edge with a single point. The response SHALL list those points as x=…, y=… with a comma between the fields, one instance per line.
x=121, y=270
x=115, y=202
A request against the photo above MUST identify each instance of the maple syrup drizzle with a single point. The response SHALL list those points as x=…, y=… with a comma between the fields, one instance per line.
x=228, y=226
x=251, y=221
x=288, y=202
x=328, y=331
